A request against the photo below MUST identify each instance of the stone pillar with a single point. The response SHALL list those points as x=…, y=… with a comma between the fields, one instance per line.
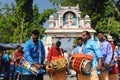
x=59, y=20
x=77, y=21
x=56, y=23
x=49, y=41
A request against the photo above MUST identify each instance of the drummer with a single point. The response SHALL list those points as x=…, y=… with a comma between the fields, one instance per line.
x=54, y=52
x=34, y=52
x=91, y=47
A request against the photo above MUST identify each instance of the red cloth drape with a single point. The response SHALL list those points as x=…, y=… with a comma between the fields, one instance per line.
x=54, y=53
x=115, y=68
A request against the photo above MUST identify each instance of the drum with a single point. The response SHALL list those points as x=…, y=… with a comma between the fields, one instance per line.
x=29, y=66
x=81, y=63
x=57, y=64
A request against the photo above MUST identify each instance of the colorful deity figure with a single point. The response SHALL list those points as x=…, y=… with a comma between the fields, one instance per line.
x=69, y=20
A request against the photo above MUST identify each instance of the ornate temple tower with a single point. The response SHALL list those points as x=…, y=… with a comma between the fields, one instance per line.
x=67, y=23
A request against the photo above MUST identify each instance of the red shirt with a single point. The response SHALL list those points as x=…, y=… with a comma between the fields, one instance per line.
x=16, y=55
x=54, y=52
x=113, y=46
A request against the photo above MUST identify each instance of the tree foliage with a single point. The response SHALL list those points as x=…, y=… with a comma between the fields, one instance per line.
x=16, y=22
x=7, y=24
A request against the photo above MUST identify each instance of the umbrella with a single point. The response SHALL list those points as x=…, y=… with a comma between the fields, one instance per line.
x=11, y=46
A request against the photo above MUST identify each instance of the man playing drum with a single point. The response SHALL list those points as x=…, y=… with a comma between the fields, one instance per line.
x=34, y=53
x=91, y=47
x=54, y=53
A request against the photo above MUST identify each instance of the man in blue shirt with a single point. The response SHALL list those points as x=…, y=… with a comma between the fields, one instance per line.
x=91, y=47
x=107, y=55
x=34, y=52
x=79, y=47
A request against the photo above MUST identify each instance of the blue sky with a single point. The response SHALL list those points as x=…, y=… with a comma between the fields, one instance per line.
x=43, y=4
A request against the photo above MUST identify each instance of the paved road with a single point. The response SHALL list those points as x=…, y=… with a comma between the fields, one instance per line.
x=46, y=77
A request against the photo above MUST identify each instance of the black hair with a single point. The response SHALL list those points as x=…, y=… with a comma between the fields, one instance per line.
x=100, y=32
x=18, y=46
x=65, y=50
x=58, y=43
x=80, y=38
x=106, y=36
x=87, y=33
x=35, y=32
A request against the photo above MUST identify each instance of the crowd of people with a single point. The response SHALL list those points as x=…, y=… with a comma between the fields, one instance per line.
x=105, y=61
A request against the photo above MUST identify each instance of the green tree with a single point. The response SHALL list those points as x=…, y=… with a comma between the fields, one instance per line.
x=7, y=24
x=29, y=18
x=118, y=4
x=109, y=23
x=16, y=22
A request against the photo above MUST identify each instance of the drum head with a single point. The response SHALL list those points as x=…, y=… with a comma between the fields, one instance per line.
x=86, y=67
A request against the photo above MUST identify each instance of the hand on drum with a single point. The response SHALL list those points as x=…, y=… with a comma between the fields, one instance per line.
x=38, y=66
x=18, y=58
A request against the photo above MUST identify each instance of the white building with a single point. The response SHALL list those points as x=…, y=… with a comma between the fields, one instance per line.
x=67, y=24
